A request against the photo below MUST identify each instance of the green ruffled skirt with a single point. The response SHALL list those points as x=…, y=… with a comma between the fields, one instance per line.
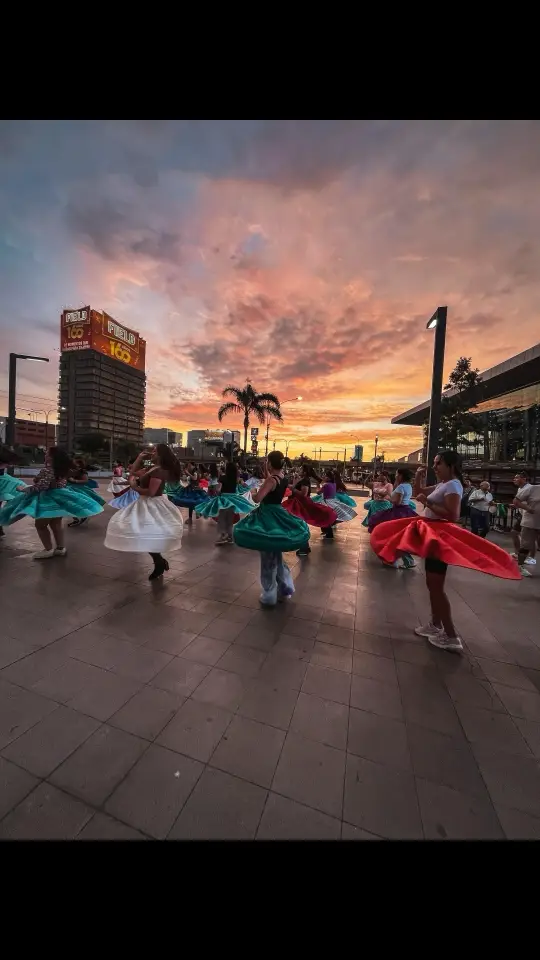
x=224, y=501
x=47, y=504
x=270, y=529
x=8, y=487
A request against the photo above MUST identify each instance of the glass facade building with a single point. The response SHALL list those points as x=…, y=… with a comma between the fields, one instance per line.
x=511, y=428
x=508, y=407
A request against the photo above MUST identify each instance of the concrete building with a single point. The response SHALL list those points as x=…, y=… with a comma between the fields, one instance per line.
x=102, y=386
x=30, y=433
x=162, y=435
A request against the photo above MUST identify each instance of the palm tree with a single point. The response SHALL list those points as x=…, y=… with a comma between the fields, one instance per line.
x=248, y=401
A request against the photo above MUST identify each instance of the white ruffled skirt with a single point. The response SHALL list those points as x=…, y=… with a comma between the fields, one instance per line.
x=118, y=485
x=149, y=525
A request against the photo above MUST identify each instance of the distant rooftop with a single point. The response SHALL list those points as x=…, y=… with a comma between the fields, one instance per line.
x=513, y=374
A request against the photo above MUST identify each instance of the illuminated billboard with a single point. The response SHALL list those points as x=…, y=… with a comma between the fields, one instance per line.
x=88, y=329
x=213, y=436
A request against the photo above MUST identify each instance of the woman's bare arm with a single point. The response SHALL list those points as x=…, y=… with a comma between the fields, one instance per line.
x=267, y=487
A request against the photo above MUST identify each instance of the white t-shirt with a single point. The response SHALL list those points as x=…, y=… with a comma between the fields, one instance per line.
x=532, y=499
x=523, y=492
x=478, y=502
x=439, y=493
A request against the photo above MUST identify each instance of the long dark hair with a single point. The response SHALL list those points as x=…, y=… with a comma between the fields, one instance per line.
x=61, y=462
x=404, y=474
x=214, y=471
x=308, y=472
x=168, y=461
x=331, y=475
x=452, y=460
x=340, y=486
x=231, y=471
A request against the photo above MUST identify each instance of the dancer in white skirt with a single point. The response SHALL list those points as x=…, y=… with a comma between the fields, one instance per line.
x=151, y=524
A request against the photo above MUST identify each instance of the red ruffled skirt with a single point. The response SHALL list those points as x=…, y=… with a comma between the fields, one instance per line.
x=316, y=514
x=444, y=541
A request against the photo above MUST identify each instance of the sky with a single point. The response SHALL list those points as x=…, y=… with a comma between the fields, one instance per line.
x=305, y=255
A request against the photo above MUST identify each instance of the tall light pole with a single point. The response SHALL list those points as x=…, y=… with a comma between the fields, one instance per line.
x=12, y=391
x=291, y=400
x=376, y=445
x=438, y=323
x=46, y=414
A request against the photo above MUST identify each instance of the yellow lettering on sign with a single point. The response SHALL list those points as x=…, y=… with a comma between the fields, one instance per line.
x=120, y=353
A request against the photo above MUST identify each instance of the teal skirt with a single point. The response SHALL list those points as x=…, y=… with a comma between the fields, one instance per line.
x=224, y=501
x=270, y=529
x=345, y=498
x=47, y=504
x=373, y=506
x=8, y=487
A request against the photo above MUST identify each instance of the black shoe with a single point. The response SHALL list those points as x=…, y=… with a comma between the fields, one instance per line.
x=74, y=523
x=303, y=552
x=159, y=570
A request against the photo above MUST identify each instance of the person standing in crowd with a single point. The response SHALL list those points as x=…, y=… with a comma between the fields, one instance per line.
x=48, y=500
x=402, y=506
x=329, y=499
x=381, y=492
x=437, y=537
x=300, y=504
x=467, y=490
x=530, y=526
x=272, y=531
x=479, y=504
x=521, y=481
x=226, y=505
x=151, y=523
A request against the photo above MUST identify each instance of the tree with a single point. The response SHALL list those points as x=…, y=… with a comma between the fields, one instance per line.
x=248, y=401
x=457, y=420
x=93, y=443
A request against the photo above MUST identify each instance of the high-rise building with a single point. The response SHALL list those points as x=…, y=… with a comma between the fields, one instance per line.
x=102, y=384
x=162, y=435
x=358, y=453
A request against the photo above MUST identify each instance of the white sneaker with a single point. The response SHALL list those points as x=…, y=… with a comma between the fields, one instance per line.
x=514, y=556
x=444, y=642
x=524, y=572
x=46, y=554
x=60, y=552
x=531, y=561
x=430, y=630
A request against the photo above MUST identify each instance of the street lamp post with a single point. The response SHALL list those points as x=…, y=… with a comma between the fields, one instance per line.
x=438, y=323
x=376, y=445
x=12, y=391
x=268, y=422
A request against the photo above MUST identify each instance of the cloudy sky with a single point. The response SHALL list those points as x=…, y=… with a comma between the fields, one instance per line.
x=306, y=255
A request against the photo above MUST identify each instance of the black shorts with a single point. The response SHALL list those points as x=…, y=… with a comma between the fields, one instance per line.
x=432, y=565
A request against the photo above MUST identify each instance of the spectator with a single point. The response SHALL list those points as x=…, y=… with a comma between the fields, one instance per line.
x=479, y=503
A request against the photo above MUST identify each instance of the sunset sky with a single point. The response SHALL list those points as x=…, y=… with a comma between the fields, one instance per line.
x=306, y=255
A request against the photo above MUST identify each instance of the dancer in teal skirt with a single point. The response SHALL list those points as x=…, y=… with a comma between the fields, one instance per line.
x=272, y=531
x=48, y=500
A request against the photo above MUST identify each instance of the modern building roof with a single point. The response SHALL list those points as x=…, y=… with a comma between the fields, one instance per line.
x=515, y=373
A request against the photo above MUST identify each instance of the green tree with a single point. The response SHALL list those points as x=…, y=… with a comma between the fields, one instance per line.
x=93, y=443
x=457, y=418
x=250, y=403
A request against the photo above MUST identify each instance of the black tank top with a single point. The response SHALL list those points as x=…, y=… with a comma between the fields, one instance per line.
x=303, y=482
x=276, y=495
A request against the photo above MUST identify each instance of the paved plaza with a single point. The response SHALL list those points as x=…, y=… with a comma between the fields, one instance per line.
x=181, y=710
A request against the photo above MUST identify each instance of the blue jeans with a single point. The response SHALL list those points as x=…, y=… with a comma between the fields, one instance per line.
x=480, y=522
x=276, y=579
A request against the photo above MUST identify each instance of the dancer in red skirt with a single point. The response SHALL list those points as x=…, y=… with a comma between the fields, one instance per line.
x=300, y=504
x=438, y=539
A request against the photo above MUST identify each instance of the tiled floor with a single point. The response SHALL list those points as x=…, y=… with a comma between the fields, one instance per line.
x=131, y=710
